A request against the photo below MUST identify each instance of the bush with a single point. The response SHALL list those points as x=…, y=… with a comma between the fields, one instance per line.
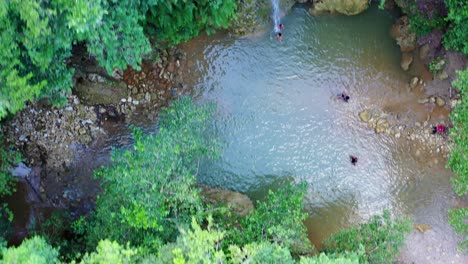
x=279, y=219
x=457, y=34
x=151, y=190
x=32, y=251
x=381, y=237
x=459, y=134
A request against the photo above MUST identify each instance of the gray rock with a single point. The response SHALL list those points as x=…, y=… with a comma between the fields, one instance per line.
x=21, y=170
x=102, y=110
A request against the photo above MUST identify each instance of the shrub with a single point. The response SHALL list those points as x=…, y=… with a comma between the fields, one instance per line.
x=381, y=237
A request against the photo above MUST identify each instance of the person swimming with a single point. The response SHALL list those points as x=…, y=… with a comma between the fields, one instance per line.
x=280, y=27
x=279, y=36
x=353, y=159
x=343, y=96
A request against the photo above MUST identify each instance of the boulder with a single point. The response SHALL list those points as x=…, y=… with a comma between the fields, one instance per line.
x=414, y=82
x=406, y=60
x=364, y=116
x=381, y=126
x=404, y=37
x=94, y=93
x=439, y=101
x=239, y=203
x=345, y=7
x=422, y=227
x=424, y=51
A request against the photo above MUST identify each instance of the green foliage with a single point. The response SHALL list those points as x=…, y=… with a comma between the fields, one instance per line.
x=437, y=66
x=36, y=38
x=346, y=258
x=32, y=251
x=8, y=157
x=6, y=218
x=119, y=40
x=278, y=219
x=457, y=159
x=381, y=4
x=260, y=253
x=422, y=21
x=176, y=21
x=458, y=219
x=459, y=134
x=194, y=246
x=381, y=237
x=457, y=18
x=150, y=190
x=109, y=252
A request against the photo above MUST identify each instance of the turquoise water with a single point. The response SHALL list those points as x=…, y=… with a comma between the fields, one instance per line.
x=279, y=118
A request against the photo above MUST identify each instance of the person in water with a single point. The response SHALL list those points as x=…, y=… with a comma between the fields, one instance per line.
x=281, y=27
x=440, y=129
x=353, y=159
x=343, y=96
x=279, y=36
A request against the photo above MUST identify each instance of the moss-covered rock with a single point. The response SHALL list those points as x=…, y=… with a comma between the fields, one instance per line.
x=346, y=7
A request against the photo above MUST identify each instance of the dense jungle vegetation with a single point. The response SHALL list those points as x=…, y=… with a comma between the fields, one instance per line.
x=151, y=210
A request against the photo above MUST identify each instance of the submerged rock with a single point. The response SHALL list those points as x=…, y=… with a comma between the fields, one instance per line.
x=345, y=7
x=406, y=60
x=239, y=203
x=422, y=227
x=365, y=116
x=404, y=37
x=414, y=82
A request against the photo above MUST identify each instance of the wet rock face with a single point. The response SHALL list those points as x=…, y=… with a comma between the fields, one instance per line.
x=253, y=13
x=404, y=37
x=93, y=91
x=345, y=7
x=406, y=60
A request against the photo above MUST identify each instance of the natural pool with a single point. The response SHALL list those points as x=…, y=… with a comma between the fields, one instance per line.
x=279, y=118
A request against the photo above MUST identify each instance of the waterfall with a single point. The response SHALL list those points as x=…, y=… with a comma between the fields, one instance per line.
x=276, y=14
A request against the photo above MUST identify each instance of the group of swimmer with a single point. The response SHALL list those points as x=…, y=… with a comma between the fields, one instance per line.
x=439, y=129
x=279, y=34
x=345, y=98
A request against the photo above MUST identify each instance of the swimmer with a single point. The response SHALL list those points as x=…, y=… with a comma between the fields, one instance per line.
x=279, y=36
x=353, y=159
x=343, y=96
x=280, y=27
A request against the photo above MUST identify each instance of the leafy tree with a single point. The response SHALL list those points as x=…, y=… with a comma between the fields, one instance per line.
x=381, y=237
x=263, y=252
x=150, y=190
x=8, y=157
x=176, y=21
x=457, y=18
x=32, y=251
x=424, y=16
x=109, y=252
x=36, y=38
x=194, y=246
x=278, y=219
